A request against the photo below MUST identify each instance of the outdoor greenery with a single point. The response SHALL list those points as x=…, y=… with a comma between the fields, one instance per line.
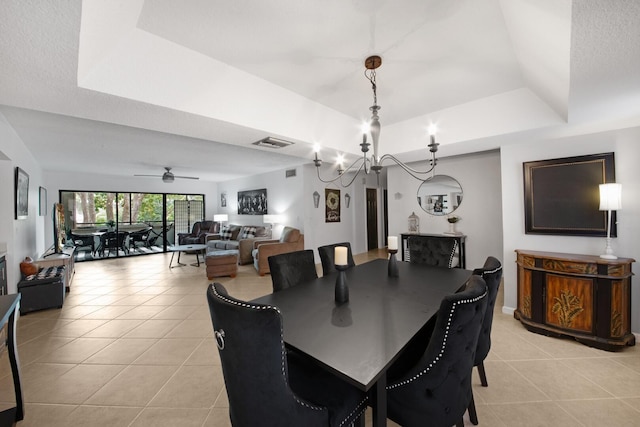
x=100, y=207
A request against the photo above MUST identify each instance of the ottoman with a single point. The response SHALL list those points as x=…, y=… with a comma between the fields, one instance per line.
x=221, y=263
x=45, y=289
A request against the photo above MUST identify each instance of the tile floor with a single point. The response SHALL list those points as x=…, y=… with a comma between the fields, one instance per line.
x=133, y=347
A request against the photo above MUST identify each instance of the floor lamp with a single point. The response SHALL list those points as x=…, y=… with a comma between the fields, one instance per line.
x=610, y=200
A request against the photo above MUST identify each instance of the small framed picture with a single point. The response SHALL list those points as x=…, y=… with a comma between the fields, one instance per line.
x=42, y=208
x=22, y=194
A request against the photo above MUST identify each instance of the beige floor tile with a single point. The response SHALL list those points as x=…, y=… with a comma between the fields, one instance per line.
x=153, y=328
x=169, y=352
x=77, y=328
x=143, y=312
x=171, y=417
x=531, y=414
x=176, y=312
x=114, y=328
x=39, y=347
x=109, y=312
x=201, y=328
x=40, y=415
x=76, y=351
x=205, y=355
x=122, y=351
x=218, y=417
x=509, y=346
x=190, y=387
x=73, y=387
x=102, y=416
x=134, y=300
x=78, y=311
x=134, y=386
x=558, y=380
x=599, y=413
x=506, y=385
x=617, y=379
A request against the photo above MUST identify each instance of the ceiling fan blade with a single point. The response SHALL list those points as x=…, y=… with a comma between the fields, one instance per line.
x=186, y=177
x=155, y=176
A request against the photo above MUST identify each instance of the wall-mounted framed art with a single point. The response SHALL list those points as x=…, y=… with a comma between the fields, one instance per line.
x=253, y=202
x=561, y=196
x=332, y=205
x=42, y=198
x=22, y=194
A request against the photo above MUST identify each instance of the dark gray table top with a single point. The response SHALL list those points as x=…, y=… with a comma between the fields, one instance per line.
x=360, y=339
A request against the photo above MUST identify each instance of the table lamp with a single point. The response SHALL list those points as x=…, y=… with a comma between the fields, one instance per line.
x=221, y=218
x=610, y=200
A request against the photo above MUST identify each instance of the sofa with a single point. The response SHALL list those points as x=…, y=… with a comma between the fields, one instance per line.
x=291, y=240
x=198, y=234
x=239, y=237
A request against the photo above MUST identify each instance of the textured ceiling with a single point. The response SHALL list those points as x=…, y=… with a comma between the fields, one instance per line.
x=191, y=84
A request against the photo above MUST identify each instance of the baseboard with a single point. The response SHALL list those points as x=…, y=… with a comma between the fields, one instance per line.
x=508, y=310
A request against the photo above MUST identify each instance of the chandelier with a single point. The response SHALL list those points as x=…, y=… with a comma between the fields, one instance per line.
x=374, y=162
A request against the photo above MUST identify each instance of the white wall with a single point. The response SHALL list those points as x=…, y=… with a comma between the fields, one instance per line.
x=71, y=181
x=284, y=197
x=480, y=210
x=624, y=143
x=353, y=219
x=20, y=238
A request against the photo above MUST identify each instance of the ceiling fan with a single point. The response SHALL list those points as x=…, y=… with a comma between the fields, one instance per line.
x=168, y=176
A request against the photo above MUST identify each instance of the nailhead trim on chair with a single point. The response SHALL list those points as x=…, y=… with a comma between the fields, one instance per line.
x=444, y=342
x=453, y=252
x=284, y=352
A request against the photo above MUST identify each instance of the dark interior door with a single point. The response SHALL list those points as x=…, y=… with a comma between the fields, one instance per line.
x=372, y=219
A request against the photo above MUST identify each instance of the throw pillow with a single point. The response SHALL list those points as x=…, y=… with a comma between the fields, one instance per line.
x=248, y=233
x=225, y=233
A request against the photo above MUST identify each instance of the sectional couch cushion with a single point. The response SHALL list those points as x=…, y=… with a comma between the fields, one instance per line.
x=235, y=240
x=247, y=232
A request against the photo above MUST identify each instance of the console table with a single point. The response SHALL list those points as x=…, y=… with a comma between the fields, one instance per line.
x=459, y=238
x=8, y=307
x=52, y=259
x=581, y=296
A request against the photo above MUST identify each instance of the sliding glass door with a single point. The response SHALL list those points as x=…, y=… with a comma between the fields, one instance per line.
x=111, y=224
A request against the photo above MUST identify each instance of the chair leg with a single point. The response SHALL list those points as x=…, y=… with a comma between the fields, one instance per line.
x=473, y=415
x=483, y=375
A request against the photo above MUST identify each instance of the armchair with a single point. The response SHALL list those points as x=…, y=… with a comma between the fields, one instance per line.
x=198, y=232
x=291, y=240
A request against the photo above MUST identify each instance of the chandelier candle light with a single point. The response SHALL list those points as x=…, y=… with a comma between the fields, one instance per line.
x=392, y=246
x=610, y=200
x=341, y=289
x=374, y=163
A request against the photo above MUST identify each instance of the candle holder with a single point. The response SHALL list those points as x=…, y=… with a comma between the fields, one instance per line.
x=393, y=264
x=342, y=290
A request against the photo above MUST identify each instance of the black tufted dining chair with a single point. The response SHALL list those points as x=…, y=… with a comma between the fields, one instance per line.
x=265, y=386
x=437, y=390
x=491, y=272
x=327, y=255
x=435, y=251
x=292, y=268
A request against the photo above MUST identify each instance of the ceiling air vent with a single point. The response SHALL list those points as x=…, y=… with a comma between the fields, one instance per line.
x=271, y=142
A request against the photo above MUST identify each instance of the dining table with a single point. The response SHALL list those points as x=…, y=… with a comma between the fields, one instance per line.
x=360, y=339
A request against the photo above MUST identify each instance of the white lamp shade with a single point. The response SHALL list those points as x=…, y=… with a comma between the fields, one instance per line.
x=221, y=217
x=272, y=219
x=610, y=197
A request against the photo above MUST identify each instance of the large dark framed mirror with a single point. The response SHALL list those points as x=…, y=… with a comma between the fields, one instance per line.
x=440, y=195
